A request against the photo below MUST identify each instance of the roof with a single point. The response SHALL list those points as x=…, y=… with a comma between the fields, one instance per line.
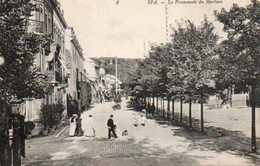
x=89, y=66
x=112, y=79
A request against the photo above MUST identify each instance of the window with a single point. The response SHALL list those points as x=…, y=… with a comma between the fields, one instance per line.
x=49, y=24
x=45, y=22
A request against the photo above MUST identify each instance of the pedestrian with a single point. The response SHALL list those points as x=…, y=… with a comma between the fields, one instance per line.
x=72, y=126
x=79, y=131
x=111, y=127
x=144, y=112
x=136, y=120
x=90, y=130
x=247, y=102
x=143, y=120
x=153, y=109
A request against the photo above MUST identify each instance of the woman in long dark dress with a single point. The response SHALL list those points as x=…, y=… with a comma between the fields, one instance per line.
x=79, y=131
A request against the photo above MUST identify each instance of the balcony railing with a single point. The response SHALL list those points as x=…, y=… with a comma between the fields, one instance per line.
x=36, y=26
x=50, y=74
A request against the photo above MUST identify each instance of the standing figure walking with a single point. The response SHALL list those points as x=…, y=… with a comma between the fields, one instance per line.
x=72, y=126
x=136, y=120
x=111, y=127
x=79, y=131
x=143, y=120
x=90, y=131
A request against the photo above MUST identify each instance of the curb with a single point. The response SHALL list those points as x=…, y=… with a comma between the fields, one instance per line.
x=61, y=132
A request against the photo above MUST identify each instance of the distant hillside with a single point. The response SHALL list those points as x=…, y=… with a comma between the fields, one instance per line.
x=126, y=67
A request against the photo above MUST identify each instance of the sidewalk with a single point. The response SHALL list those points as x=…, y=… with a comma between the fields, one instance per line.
x=234, y=119
x=57, y=133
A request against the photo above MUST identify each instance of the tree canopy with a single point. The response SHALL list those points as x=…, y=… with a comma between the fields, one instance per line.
x=19, y=47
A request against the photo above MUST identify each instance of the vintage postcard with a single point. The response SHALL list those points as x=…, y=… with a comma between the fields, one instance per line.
x=129, y=82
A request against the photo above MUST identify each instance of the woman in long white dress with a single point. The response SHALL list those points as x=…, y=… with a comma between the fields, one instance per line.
x=143, y=120
x=90, y=131
x=72, y=126
x=135, y=120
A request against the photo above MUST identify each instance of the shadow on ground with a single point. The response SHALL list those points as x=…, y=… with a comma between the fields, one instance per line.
x=214, y=138
x=123, y=153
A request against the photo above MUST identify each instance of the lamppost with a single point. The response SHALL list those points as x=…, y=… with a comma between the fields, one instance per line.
x=116, y=74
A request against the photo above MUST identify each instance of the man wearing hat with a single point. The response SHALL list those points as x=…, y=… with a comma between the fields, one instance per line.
x=111, y=127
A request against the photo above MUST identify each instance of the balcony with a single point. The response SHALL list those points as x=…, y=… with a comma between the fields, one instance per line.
x=36, y=26
x=50, y=74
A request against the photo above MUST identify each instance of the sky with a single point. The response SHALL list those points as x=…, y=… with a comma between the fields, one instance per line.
x=126, y=29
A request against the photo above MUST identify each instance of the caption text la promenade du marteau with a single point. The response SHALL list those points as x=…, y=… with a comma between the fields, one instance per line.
x=154, y=2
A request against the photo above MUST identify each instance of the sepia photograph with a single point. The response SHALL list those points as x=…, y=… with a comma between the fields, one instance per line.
x=129, y=82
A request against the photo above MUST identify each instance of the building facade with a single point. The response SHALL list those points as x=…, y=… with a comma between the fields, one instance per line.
x=48, y=19
x=78, y=82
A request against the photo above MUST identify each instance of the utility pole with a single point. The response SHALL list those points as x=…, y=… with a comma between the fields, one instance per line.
x=166, y=23
x=144, y=49
x=253, y=102
x=116, y=75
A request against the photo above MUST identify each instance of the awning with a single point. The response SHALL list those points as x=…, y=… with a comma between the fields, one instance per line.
x=53, y=48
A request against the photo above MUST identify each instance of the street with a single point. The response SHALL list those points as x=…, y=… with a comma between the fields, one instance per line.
x=158, y=143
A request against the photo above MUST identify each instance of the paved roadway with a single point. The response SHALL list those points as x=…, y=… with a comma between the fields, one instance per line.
x=155, y=144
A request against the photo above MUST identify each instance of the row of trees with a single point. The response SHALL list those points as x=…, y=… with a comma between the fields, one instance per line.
x=195, y=64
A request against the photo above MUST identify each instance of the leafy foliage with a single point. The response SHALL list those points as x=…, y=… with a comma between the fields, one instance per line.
x=18, y=47
x=195, y=49
x=239, y=60
x=72, y=106
x=51, y=114
x=126, y=67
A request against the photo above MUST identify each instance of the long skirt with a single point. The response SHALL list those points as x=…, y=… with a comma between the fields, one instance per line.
x=90, y=132
x=72, y=129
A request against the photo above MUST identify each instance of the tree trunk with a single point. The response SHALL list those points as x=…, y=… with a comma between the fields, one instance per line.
x=231, y=104
x=168, y=109
x=161, y=107
x=172, y=109
x=145, y=102
x=190, y=116
x=153, y=101
x=253, y=146
x=181, y=111
x=157, y=103
x=163, y=112
x=201, y=116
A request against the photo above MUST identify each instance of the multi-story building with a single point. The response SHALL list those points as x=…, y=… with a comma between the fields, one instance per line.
x=75, y=61
x=79, y=84
x=92, y=73
x=48, y=19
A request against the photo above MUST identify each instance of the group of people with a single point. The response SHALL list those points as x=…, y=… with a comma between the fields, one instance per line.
x=76, y=127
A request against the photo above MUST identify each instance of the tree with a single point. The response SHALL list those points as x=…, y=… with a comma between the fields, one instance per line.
x=163, y=57
x=240, y=51
x=195, y=47
x=18, y=47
